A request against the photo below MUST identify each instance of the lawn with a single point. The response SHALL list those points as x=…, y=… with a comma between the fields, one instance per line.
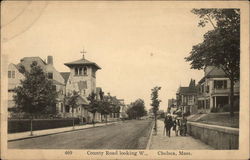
x=221, y=119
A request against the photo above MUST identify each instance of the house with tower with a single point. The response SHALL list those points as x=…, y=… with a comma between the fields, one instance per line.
x=81, y=79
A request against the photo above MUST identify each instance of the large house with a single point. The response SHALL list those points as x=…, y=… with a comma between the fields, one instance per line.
x=214, y=90
x=15, y=77
x=186, y=98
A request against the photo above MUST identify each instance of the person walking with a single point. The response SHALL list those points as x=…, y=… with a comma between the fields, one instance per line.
x=169, y=125
x=184, y=126
x=165, y=125
x=174, y=124
x=177, y=130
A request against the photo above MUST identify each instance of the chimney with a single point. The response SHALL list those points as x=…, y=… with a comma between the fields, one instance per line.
x=50, y=60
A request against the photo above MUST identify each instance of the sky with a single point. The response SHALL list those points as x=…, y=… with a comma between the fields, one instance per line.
x=138, y=45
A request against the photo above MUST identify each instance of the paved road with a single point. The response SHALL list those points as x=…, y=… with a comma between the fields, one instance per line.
x=131, y=134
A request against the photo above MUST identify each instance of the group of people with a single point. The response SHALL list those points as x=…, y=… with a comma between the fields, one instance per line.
x=179, y=125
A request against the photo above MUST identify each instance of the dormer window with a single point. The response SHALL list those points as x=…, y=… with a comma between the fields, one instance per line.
x=220, y=84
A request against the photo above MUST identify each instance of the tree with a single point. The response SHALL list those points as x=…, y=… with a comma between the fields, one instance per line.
x=71, y=101
x=221, y=46
x=36, y=94
x=104, y=105
x=137, y=109
x=155, y=103
x=93, y=105
x=115, y=106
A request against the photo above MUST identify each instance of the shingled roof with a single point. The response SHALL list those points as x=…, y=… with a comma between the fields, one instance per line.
x=65, y=76
x=27, y=61
x=82, y=61
x=215, y=72
x=191, y=89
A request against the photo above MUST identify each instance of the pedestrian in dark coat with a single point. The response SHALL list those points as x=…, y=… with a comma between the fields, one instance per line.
x=165, y=124
x=169, y=125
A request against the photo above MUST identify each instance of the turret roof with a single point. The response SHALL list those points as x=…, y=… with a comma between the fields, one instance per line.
x=82, y=61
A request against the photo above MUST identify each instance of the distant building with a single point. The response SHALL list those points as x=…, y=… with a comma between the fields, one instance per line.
x=186, y=98
x=214, y=90
x=172, y=103
x=123, y=109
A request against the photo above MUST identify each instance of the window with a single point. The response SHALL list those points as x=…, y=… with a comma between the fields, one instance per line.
x=207, y=104
x=85, y=71
x=61, y=107
x=50, y=75
x=202, y=88
x=76, y=71
x=13, y=74
x=9, y=74
x=207, y=89
x=54, y=87
x=80, y=71
x=190, y=98
x=93, y=73
x=220, y=84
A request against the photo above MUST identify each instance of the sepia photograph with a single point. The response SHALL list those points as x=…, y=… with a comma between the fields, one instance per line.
x=124, y=79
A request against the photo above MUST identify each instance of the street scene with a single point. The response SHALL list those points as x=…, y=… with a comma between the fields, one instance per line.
x=107, y=76
x=108, y=137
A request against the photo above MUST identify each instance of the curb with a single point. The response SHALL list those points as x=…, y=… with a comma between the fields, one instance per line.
x=150, y=137
x=11, y=140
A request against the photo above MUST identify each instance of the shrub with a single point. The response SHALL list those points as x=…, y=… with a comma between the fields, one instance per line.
x=226, y=108
x=214, y=110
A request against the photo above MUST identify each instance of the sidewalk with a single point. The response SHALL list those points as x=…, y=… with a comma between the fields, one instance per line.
x=39, y=133
x=159, y=141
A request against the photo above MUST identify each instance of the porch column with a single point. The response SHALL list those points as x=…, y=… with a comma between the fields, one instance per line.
x=215, y=104
x=205, y=105
x=211, y=102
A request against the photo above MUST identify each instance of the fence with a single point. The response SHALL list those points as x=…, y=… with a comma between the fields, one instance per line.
x=22, y=125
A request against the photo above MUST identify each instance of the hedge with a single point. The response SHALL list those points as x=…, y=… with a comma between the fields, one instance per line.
x=22, y=125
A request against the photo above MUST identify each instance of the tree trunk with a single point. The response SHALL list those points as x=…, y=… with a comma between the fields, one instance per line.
x=93, y=119
x=155, y=128
x=73, y=118
x=232, y=97
x=31, y=126
x=106, y=117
